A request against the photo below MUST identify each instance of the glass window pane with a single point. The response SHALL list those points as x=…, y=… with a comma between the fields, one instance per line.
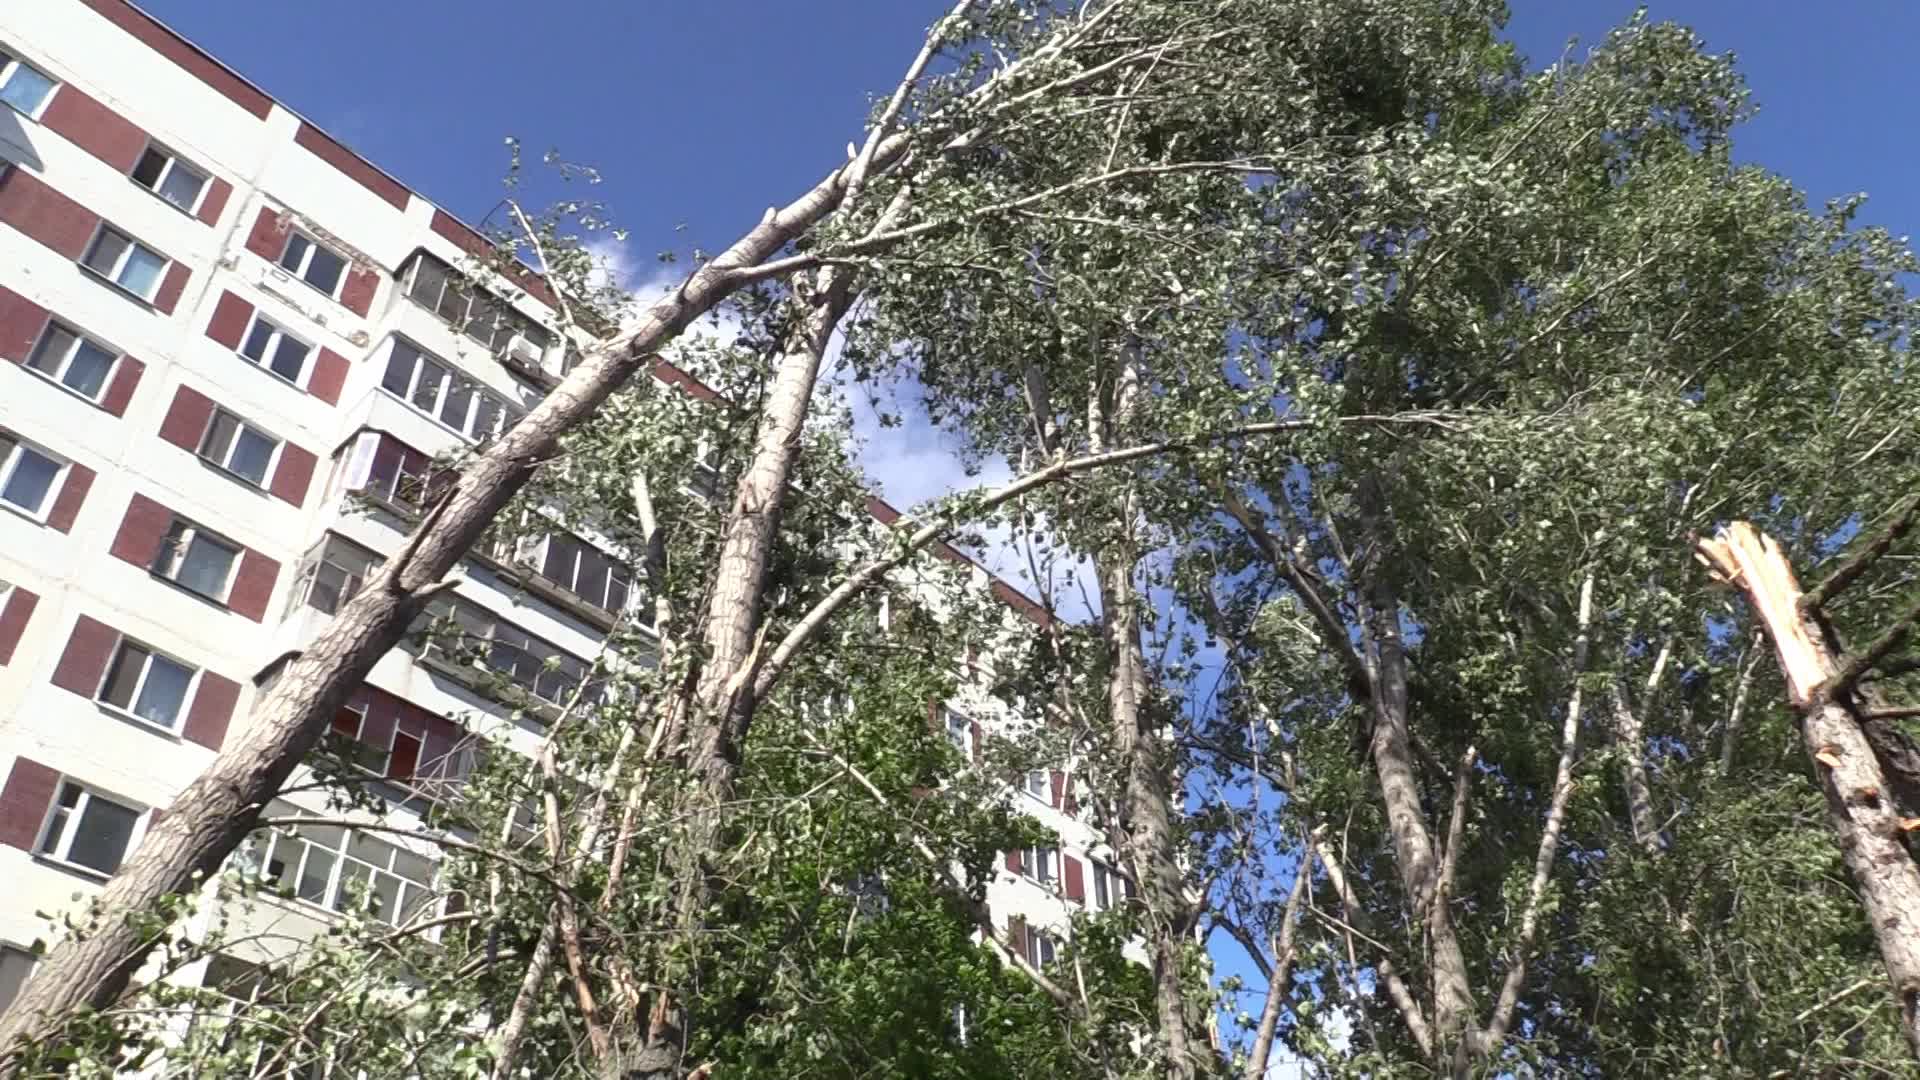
x=353, y=880
x=486, y=417
x=164, y=692
x=101, y=839
x=400, y=365
x=106, y=250
x=182, y=187
x=124, y=676
x=426, y=392
x=459, y=401
x=413, y=867
x=383, y=902
x=258, y=340
x=141, y=274
x=290, y=359
x=563, y=552
x=429, y=281
x=324, y=270
x=313, y=876
x=87, y=371
x=219, y=437
x=31, y=479
x=25, y=89
x=152, y=164
x=52, y=350
x=367, y=849
x=252, y=454
x=206, y=566
x=297, y=246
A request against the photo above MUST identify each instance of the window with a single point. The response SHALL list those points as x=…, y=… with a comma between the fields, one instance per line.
x=72, y=360
x=1110, y=886
x=164, y=174
x=23, y=87
x=1040, y=947
x=1042, y=864
x=1039, y=785
x=196, y=560
x=587, y=572
x=88, y=829
x=331, y=865
x=321, y=267
x=960, y=732
x=239, y=448
x=490, y=322
x=126, y=262
x=15, y=965
x=430, y=385
x=271, y=347
x=403, y=476
x=27, y=475
x=465, y=634
x=705, y=482
x=335, y=574
x=348, y=722
x=147, y=685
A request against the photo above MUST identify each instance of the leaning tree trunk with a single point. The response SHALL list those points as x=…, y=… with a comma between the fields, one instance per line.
x=1860, y=807
x=214, y=814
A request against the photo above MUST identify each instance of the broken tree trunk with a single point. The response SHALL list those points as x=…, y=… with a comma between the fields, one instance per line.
x=1864, y=816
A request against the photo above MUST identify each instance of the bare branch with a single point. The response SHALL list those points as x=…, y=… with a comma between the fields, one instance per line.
x=1397, y=991
x=1817, y=598
x=1280, y=975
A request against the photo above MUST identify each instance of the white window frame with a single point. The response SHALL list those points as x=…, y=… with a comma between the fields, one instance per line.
x=172, y=556
x=333, y=898
x=120, y=262
x=1041, y=948
x=58, y=376
x=1044, y=781
x=306, y=262
x=174, y=161
x=960, y=736
x=276, y=336
x=1041, y=865
x=140, y=684
x=13, y=949
x=62, y=846
x=10, y=64
x=10, y=461
x=1110, y=887
x=223, y=463
x=506, y=413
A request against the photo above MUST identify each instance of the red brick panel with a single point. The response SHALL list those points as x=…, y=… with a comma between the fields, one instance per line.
x=172, y=286
x=24, y=802
x=21, y=321
x=13, y=620
x=141, y=531
x=30, y=205
x=186, y=419
x=84, y=663
x=1017, y=935
x=1076, y=884
x=357, y=293
x=95, y=128
x=1058, y=780
x=66, y=506
x=126, y=379
x=293, y=475
x=177, y=49
x=329, y=375
x=356, y=167
x=269, y=236
x=979, y=742
x=1013, y=861
x=212, y=710
x=471, y=242
x=218, y=192
x=253, y=585
x=230, y=318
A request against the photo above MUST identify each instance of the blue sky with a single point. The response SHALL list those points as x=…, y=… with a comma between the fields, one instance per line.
x=701, y=114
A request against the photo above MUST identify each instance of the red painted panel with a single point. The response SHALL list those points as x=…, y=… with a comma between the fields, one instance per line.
x=218, y=193
x=253, y=585
x=186, y=419
x=30, y=205
x=66, y=506
x=470, y=241
x=329, y=375
x=126, y=379
x=230, y=318
x=356, y=167
x=1075, y=883
x=95, y=128
x=269, y=236
x=293, y=475
x=21, y=321
x=141, y=531
x=157, y=37
x=212, y=710
x=13, y=619
x=979, y=742
x=1058, y=780
x=24, y=802
x=84, y=662
x=1013, y=861
x=174, y=284
x=357, y=293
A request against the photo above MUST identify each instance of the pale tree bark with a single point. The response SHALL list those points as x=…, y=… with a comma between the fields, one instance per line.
x=1821, y=686
x=1630, y=735
x=1280, y=976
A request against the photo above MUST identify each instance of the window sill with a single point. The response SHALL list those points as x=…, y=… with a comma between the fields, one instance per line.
x=297, y=384
x=195, y=593
x=258, y=489
x=192, y=213
x=87, y=872
x=483, y=681
x=143, y=301
x=141, y=722
x=70, y=391
x=281, y=273
x=36, y=517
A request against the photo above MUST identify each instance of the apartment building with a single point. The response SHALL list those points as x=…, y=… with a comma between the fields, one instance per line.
x=226, y=334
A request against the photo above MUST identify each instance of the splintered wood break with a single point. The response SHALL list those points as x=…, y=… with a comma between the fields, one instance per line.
x=1828, y=756
x=1742, y=555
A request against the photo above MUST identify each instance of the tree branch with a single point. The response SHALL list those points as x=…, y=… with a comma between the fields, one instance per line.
x=1397, y=991
x=1815, y=600
x=1280, y=975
